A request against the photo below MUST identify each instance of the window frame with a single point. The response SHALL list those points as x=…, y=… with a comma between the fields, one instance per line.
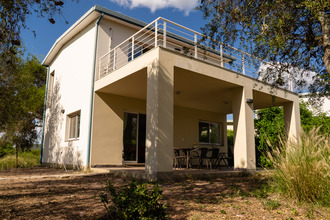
x=50, y=92
x=219, y=143
x=73, y=126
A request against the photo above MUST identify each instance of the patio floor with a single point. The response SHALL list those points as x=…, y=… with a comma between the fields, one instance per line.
x=138, y=172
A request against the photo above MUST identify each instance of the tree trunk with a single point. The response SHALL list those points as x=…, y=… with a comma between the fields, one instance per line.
x=324, y=19
x=16, y=155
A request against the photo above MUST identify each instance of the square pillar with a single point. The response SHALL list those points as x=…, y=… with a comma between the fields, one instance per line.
x=159, y=133
x=292, y=120
x=243, y=118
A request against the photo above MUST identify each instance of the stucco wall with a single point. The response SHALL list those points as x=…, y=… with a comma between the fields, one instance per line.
x=107, y=139
x=72, y=88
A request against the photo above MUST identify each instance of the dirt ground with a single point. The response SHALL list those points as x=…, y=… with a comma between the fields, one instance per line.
x=46, y=193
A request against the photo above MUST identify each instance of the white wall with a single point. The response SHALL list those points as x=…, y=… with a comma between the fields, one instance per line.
x=73, y=68
x=324, y=107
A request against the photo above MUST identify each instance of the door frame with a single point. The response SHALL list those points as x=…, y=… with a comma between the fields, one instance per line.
x=137, y=138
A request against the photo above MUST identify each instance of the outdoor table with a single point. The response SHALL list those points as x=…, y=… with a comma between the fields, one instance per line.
x=187, y=153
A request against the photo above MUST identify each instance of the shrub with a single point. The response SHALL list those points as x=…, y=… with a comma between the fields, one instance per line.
x=134, y=201
x=302, y=168
x=25, y=160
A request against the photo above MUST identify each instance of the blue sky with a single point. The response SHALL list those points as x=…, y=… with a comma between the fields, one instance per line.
x=180, y=11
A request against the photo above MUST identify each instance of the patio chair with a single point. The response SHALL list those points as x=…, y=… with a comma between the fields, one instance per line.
x=223, y=157
x=192, y=155
x=178, y=158
x=210, y=160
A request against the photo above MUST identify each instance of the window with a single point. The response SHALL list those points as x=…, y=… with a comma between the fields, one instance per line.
x=50, y=88
x=138, y=51
x=73, y=126
x=209, y=133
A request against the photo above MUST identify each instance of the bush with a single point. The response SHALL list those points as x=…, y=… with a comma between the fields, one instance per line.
x=25, y=160
x=134, y=201
x=302, y=168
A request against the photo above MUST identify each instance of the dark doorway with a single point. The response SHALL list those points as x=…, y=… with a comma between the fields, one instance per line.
x=134, y=137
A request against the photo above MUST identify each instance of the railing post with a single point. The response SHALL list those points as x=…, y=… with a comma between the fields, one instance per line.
x=243, y=65
x=156, y=34
x=114, y=60
x=100, y=69
x=164, y=38
x=221, y=55
x=195, y=41
x=132, y=52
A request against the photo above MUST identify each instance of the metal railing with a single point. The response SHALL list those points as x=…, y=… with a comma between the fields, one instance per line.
x=168, y=34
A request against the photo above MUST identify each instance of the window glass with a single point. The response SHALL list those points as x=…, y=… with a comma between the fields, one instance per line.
x=203, y=132
x=215, y=133
x=74, y=126
x=209, y=133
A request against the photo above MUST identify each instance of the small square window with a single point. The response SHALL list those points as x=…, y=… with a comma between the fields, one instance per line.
x=73, y=126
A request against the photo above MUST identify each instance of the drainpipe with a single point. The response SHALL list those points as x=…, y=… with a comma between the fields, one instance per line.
x=92, y=92
x=44, y=117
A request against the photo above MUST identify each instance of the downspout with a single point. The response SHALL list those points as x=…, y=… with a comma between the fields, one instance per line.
x=44, y=116
x=92, y=92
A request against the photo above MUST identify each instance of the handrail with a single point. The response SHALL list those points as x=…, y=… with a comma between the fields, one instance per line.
x=224, y=55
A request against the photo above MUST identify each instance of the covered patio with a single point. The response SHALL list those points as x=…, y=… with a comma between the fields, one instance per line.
x=176, y=93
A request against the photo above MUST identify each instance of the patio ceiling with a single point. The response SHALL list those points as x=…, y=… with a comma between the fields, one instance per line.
x=191, y=90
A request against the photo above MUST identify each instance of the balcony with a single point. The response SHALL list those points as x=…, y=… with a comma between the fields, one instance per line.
x=164, y=33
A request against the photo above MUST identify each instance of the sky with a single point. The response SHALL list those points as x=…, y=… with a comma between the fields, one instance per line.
x=179, y=11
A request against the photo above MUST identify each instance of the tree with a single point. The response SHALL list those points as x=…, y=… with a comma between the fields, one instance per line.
x=22, y=91
x=269, y=124
x=293, y=33
x=13, y=15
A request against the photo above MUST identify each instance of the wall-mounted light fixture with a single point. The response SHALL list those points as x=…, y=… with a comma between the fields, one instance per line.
x=62, y=111
x=249, y=101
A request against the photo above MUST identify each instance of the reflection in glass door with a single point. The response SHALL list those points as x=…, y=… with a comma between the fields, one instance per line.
x=134, y=137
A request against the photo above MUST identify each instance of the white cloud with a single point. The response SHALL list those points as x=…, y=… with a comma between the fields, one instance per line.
x=153, y=5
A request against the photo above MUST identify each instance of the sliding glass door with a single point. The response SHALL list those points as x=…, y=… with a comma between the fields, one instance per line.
x=134, y=137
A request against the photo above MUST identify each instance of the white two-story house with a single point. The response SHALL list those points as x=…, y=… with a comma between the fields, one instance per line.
x=120, y=91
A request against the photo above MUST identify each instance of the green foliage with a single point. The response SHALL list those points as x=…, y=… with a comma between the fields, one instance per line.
x=302, y=168
x=134, y=201
x=5, y=149
x=310, y=121
x=269, y=126
x=230, y=137
x=22, y=90
x=25, y=160
x=271, y=204
x=13, y=17
x=285, y=33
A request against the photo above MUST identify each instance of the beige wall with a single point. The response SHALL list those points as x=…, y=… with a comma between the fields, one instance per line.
x=186, y=129
x=107, y=139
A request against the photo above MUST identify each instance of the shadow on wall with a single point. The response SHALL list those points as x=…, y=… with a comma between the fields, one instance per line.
x=56, y=151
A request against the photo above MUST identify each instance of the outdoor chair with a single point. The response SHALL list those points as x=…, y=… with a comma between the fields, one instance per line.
x=178, y=158
x=223, y=157
x=210, y=160
x=192, y=155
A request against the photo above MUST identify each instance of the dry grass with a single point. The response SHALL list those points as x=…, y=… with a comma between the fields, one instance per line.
x=302, y=168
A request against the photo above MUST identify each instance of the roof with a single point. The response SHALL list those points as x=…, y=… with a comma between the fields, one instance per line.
x=93, y=14
x=85, y=20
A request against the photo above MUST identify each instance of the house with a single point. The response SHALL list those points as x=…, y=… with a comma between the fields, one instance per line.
x=120, y=91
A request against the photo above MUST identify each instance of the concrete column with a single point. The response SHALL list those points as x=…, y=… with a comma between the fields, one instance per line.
x=292, y=120
x=159, y=136
x=243, y=118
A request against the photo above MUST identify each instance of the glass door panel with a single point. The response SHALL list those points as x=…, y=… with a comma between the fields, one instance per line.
x=130, y=136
